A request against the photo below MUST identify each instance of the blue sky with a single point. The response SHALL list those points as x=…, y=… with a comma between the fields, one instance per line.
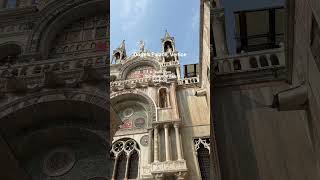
x=135, y=20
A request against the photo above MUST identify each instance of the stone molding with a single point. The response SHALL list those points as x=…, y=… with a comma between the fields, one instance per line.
x=97, y=98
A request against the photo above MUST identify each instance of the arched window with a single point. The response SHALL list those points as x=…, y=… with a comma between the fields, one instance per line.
x=121, y=166
x=168, y=46
x=85, y=35
x=117, y=56
x=274, y=60
x=202, y=147
x=236, y=65
x=11, y=3
x=253, y=62
x=226, y=66
x=133, y=165
x=10, y=53
x=163, y=98
x=125, y=150
x=263, y=61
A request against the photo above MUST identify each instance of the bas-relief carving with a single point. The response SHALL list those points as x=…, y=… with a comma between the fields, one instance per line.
x=33, y=74
x=169, y=166
x=53, y=95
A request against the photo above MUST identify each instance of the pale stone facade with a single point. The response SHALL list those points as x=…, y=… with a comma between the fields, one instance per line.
x=54, y=101
x=166, y=119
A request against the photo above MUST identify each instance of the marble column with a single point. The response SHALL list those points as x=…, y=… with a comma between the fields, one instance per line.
x=114, y=168
x=158, y=176
x=168, y=98
x=178, y=73
x=150, y=146
x=174, y=106
x=127, y=167
x=167, y=142
x=218, y=28
x=156, y=144
x=180, y=175
x=178, y=142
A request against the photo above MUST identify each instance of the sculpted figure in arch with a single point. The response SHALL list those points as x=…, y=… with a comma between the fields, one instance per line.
x=169, y=50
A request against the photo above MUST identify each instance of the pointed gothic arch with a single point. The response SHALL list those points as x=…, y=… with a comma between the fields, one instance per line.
x=126, y=153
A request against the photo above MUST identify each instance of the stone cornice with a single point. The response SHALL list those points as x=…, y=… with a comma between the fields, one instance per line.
x=34, y=76
x=22, y=12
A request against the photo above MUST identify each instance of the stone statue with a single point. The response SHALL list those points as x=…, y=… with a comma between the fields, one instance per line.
x=122, y=45
x=169, y=49
x=141, y=46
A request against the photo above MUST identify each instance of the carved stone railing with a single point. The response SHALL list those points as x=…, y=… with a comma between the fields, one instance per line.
x=254, y=67
x=164, y=114
x=67, y=72
x=250, y=61
x=142, y=82
x=189, y=81
x=168, y=167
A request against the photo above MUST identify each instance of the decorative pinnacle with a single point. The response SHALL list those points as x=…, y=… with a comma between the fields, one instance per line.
x=122, y=45
x=167, y=34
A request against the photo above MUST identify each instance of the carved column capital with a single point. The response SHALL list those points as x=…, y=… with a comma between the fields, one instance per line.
x=158, y=176
x=166, y=125
x=176, y=125
x=180, y=175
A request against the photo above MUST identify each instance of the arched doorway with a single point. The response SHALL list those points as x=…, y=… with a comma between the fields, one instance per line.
x=60, y=139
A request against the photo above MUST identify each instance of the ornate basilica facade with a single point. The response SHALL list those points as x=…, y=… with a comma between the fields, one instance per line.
x=165, y=119
x=54, y=102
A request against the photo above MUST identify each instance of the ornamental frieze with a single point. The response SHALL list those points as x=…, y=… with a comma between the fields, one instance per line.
x=97, y=98
x=168, y=166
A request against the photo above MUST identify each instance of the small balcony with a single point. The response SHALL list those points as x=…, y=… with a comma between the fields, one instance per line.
x=263, y=65
x=165, y=114
x=189, y=81
x=52, y=73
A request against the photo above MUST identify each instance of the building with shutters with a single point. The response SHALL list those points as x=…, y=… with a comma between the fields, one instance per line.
x=54, y=104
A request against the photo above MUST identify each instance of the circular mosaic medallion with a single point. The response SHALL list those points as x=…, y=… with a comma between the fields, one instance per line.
x=126, y=124
x=139, y=122
x=128, y=112
x=144, y=141
x=58, y=162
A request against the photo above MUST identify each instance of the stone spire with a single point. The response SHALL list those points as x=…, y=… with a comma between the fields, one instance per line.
x=167, y=35
x=122, y=45
x=119, y=54
x=141, y=46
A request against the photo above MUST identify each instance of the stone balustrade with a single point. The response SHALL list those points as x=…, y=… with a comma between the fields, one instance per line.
x=254, y=61
x=189, y=81
x=52, y=73
x=141, y=82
